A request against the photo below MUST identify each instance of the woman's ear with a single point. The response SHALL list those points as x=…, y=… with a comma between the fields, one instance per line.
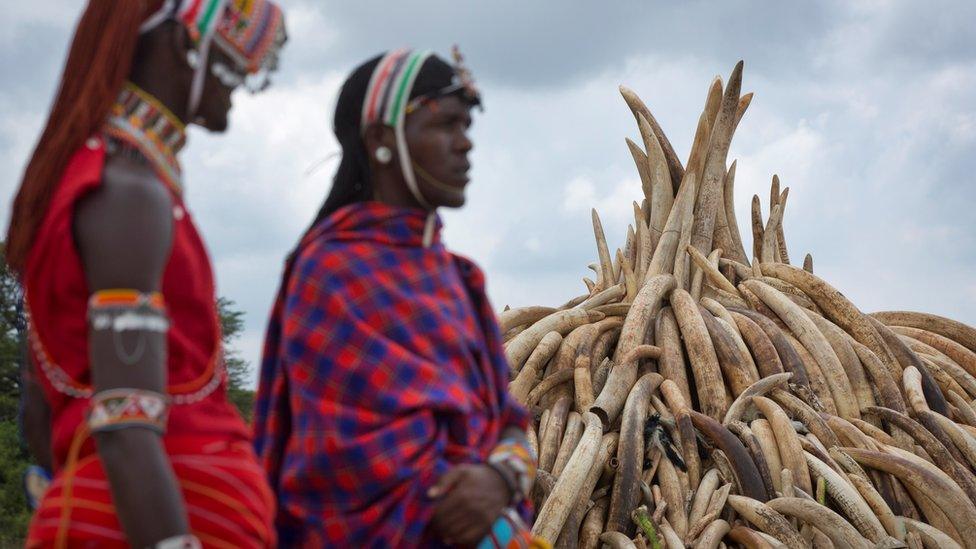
x=378, y=135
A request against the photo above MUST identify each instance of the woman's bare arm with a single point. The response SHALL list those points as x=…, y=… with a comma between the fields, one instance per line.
x=123, y=232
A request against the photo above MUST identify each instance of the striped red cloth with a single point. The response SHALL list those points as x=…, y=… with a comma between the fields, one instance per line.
x=227, y=499
x=382, y=367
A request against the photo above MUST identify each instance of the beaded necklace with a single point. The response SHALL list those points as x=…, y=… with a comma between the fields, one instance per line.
x=139, y=121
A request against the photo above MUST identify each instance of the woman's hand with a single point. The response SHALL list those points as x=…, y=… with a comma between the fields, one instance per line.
x=471, y=497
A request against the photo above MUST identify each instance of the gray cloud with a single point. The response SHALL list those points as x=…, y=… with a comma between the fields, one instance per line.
x=551, y=44
x=865, y=109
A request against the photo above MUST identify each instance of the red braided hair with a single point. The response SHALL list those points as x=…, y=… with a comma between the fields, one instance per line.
x=99, y=61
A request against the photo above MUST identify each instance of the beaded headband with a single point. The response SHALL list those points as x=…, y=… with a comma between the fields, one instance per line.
x=249, y=31
x=200, y=17
x=386, y=102
x=390, y=86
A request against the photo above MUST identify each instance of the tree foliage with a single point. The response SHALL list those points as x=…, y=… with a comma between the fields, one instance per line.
x=14, y=514
x=11, y=324
x=238, y=369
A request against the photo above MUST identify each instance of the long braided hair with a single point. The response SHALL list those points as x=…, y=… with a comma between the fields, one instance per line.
x=99, y=60
x=352, y=179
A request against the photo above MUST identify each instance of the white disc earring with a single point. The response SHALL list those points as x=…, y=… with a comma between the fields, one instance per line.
x=383, y=155
x=193, y=58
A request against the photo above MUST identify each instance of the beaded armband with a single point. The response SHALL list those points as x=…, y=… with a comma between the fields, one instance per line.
x=518, y=459
x=115, y=409
x=124, y=310
x=119, y=311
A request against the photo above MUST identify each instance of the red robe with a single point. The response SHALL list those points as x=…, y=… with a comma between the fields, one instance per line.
x=227, y=498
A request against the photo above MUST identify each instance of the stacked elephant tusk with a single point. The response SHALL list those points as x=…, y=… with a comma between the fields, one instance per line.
x=697, y=395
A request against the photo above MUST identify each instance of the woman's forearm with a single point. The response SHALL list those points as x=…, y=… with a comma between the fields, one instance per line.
x=145, y=490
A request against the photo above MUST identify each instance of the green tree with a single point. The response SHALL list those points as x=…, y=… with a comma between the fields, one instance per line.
x=238, y=369
x=14, y=514
x=11, y=318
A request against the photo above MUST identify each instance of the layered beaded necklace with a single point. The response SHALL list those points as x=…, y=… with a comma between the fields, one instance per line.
x=139, y=121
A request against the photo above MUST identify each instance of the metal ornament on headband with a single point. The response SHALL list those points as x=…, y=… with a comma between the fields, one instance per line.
x=250, y=32
x=462, y=83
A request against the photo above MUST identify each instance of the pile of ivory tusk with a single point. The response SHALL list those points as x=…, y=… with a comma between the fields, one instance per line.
x=693, y=397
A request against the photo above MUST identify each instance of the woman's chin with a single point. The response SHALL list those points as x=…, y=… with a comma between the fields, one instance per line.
x=453, y=198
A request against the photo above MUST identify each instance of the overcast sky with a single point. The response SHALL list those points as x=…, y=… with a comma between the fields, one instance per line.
x=866, y=110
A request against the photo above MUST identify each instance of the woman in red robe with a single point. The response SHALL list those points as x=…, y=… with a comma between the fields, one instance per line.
x=129, y=402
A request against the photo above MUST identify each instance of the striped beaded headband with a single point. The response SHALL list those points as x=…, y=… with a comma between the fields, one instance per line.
x=249, y=31
x=390, y=86
x=200, y=17
x=386, y=102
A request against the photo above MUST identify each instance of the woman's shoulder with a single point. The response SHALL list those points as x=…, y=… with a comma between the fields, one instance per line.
x=82, y=174
x=93, y=167
x=123, y=229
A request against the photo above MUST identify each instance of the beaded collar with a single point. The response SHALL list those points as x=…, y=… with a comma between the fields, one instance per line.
x=139, y=121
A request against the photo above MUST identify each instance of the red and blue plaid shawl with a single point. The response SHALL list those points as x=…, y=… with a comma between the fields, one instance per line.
x=382, y=367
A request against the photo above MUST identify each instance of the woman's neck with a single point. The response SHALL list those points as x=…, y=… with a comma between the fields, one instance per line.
x=156, y=84
x=394, y=192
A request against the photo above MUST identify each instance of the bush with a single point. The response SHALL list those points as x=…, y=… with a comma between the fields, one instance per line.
x=14, y=513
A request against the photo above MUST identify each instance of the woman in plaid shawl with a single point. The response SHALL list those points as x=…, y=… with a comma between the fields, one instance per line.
x=383, y=417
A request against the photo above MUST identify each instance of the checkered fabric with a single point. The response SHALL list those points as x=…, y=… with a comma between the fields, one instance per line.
x=382, y=367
